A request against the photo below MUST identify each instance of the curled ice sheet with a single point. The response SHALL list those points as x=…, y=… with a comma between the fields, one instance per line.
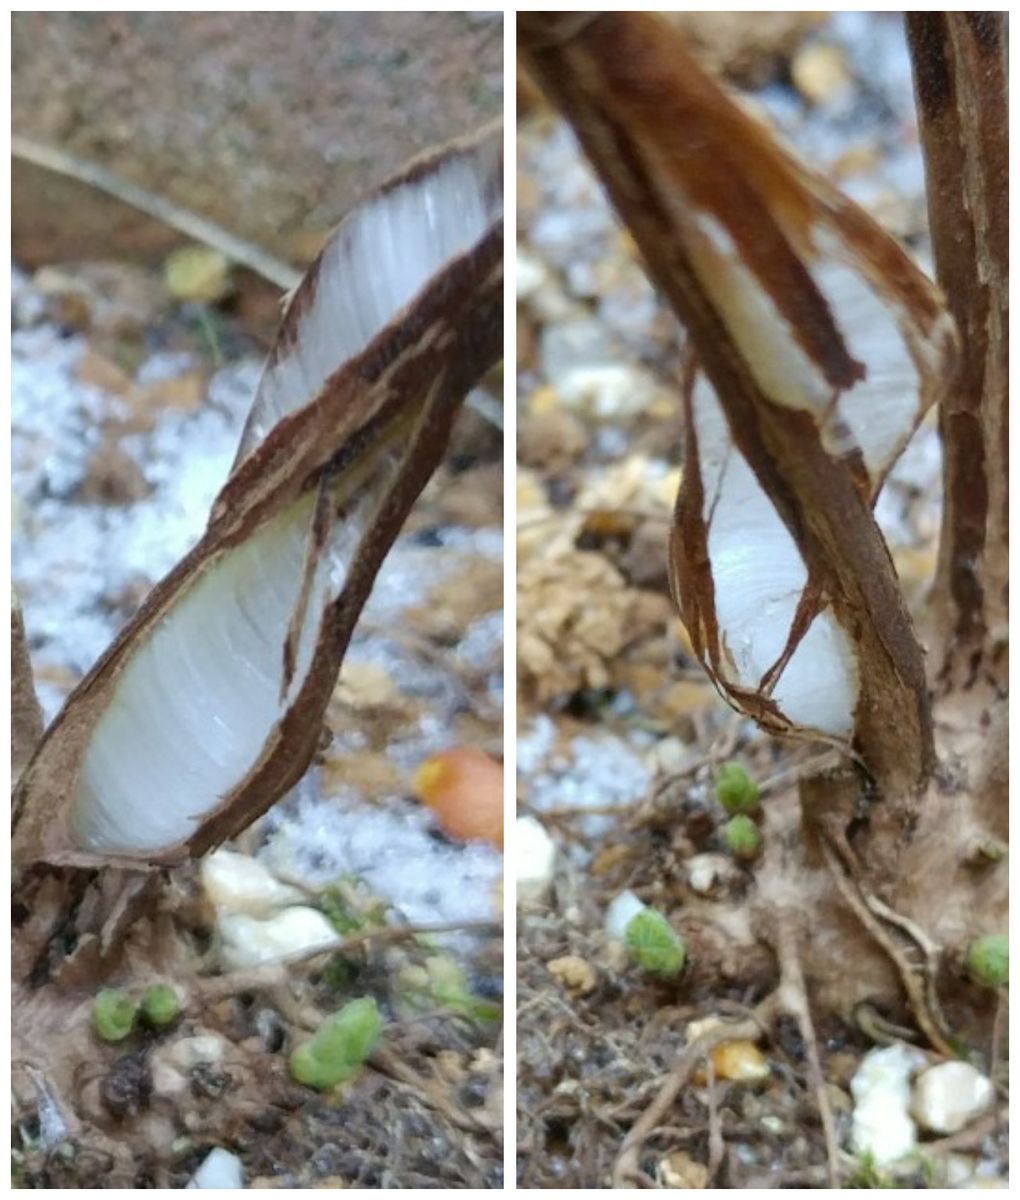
x=208, y=706
x=380, y=257
x=198, y=699
x=898, y=364
x=745, y=611
x=825, y=345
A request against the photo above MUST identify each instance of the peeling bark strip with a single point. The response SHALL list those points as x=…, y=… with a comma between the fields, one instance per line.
x=208, y=705
x=961, y=83
x=821, y=347
x=26, y=715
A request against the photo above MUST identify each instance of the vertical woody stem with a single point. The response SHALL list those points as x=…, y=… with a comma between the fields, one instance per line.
x=960, y=78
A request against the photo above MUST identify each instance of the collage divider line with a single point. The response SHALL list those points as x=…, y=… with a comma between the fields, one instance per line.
x=509, y=601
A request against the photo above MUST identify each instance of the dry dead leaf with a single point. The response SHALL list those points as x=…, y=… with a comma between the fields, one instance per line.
x=574, y=615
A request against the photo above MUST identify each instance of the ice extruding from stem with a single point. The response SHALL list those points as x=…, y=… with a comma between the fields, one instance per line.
x=209, y=679
x=759, y=581
x=876, y=415
x=771, y=642
x=208, y=705
x=379, y=259
x=825, y=346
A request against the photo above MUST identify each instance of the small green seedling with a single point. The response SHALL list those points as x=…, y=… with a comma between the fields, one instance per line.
x=742, y=837
x=113, y=1015
x=441, y=983
x=868, y=1174
x=988, y=960
x=340, y=972
x=161, y=1005
x=348, y=907
x=344, y=1041
x=339, y=911
x=735, y=790
x=994, y=850
x=654, y=945
x=448, y=988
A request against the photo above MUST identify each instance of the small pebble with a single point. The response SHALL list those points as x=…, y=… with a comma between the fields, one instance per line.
x=241, y=884
x=219, y=1169
x=712, y=874
x=464, y=789
x=740, y=1062
x=535, y=859
x=166, y=1081
x=247, y=941
x=575, y=973
x=882, y=1125
x=680, y=1170
x=619, y=913
x=607, y=392
x=193, y=1051
x=950, y=1096
x=820, y=73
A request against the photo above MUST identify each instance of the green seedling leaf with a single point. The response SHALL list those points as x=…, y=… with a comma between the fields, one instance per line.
x=197, y=273
x=161, y=1005
x=988, y=960
x=113, y=1015
x=340, y=913
x=742, y=837
x=441, y=983
x=735, y=790
x=654, y=945
x=867, y=1174
x=343, y=1043
x=340, y=972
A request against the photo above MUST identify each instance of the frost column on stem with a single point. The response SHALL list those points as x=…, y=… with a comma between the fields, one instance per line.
x=816, y=348
x=208, y=706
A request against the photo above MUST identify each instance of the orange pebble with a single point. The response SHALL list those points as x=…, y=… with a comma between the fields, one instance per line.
x=739, y=1062
x=464, y=788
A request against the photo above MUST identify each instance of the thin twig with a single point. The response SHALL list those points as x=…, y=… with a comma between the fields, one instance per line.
x=626, y=1170
x=389, y=1064
x=915, y=989
x=793, y=999
x=270, y=975
x=716, y=1145
x=189, y=223
x=793, y=773
x=998, y=1024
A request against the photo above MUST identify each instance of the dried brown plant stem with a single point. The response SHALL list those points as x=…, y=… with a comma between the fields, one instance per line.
x=916, y=983
x=26, y=715
x=716, y=1144
x=960, y=75
x=473, y=1121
